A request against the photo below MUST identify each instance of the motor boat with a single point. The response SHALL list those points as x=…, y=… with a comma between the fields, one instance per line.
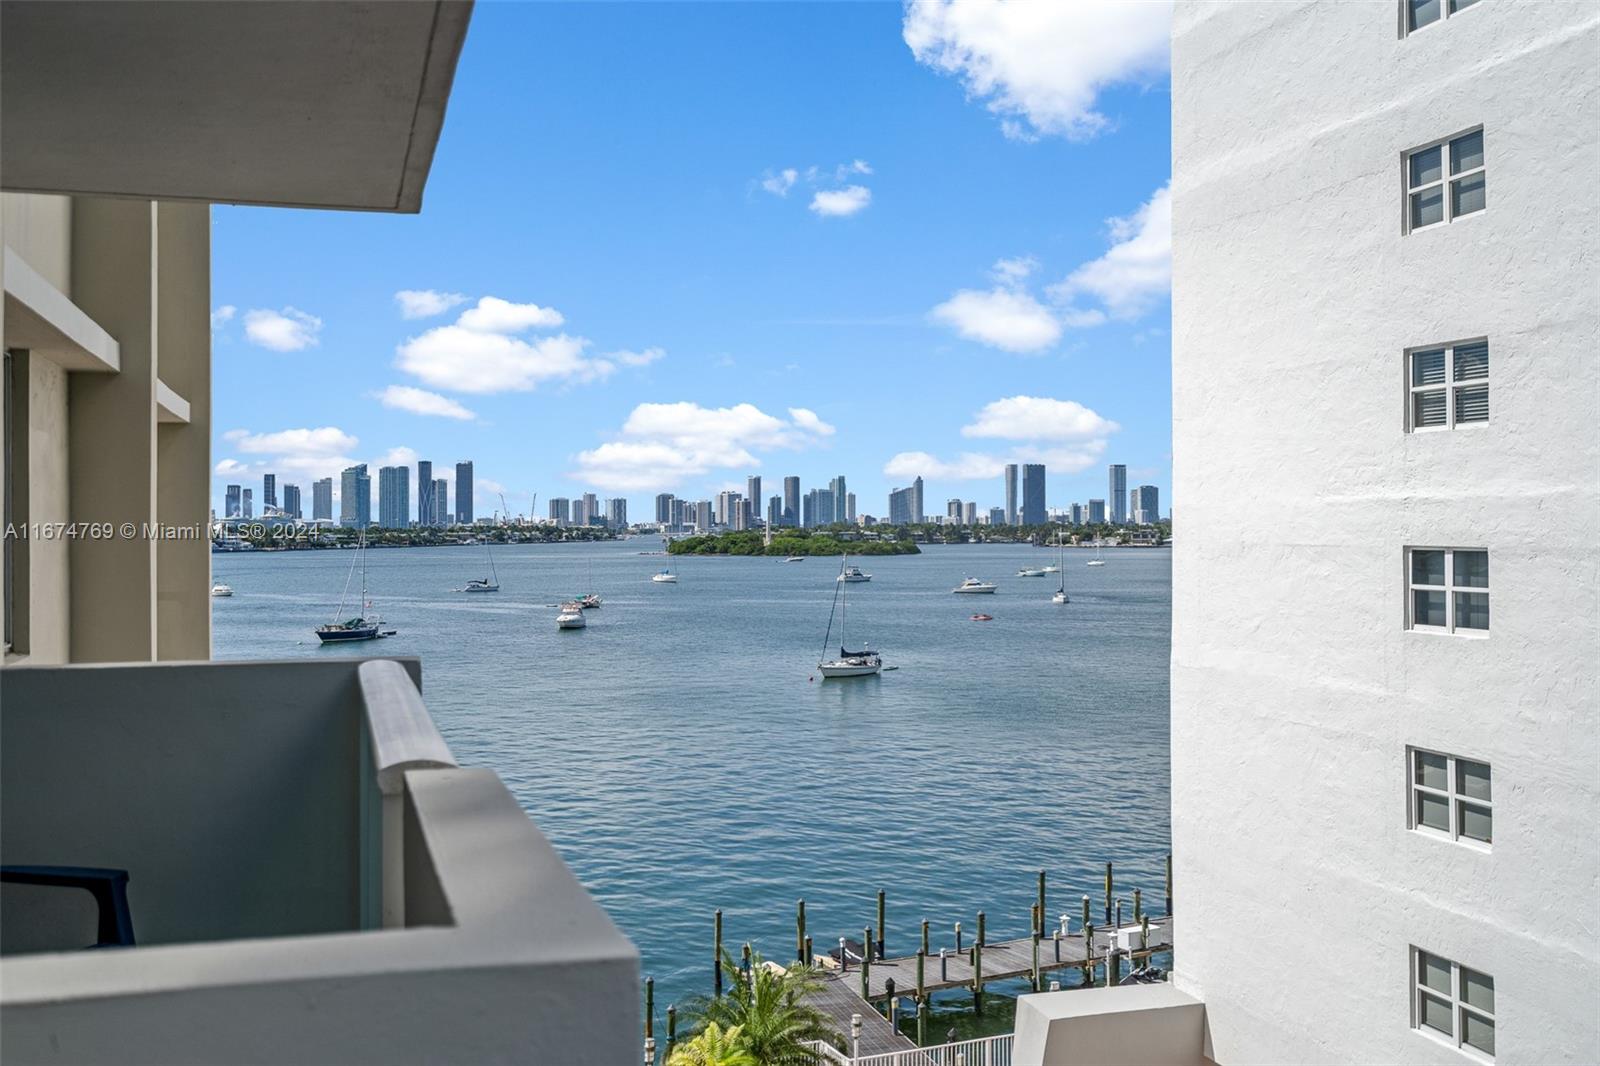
x=664, y=577
x=863, y=663
x=219, y=589
x=481, y=584
x=589, y=602
x=571, y=616
x=972, y=586
x=983, y=618
x=795, y=559
x=1029, y=571
x=853, y=575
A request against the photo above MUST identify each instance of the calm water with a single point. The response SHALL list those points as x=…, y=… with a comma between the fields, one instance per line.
x=679, y=756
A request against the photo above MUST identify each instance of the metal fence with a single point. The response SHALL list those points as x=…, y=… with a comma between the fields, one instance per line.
x=986, y=1051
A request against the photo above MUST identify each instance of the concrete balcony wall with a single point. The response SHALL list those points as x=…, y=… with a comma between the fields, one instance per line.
x=1128, y=1025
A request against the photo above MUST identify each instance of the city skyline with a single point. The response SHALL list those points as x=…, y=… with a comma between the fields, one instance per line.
x=719, y=325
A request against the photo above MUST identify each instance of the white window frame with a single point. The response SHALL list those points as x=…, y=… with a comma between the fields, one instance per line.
x=1449, y=386
x=1452, y=795
x=1448, y=10
x=1458, y=1005
x=1449, y=588
x=1446, y=180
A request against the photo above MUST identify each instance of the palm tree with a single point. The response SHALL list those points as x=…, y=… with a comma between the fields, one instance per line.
x=767, y=1007
x=714, y=1046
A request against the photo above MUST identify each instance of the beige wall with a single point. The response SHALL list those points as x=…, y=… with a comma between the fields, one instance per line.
x=47, y=628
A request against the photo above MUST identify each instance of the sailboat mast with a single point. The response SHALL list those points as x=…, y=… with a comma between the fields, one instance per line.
x=844, y=601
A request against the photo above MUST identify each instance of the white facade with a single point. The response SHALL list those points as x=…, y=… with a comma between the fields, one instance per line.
x=1297, y=686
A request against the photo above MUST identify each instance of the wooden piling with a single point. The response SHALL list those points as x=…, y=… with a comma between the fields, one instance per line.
x=1086, y=912
x=925, y=936
x=800, y=930
x=1108, y=893
x=958, y=936
x=809, y=957
x=922, y=1022
x=1088, y=951
x=672, y=1029
x=1144, y=937
x=1041, y=903
x=1036, y=986
x=981, y=940
x=866, y=963
x=1169, y=882
x=882, y=924
x=1057, y=938
x=1138, y=904
x=717, y=956
x=977, y=974
x=888, y=990
x=1113, y=966
x=922, y=962
x=649, y=1007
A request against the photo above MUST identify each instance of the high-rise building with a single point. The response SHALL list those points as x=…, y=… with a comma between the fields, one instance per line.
x=680, y=510
x=441, y=501
x=902, y=506
x=1033, y=494
x=952, y=510
x=247, y=512
x=702, y=515
x=664, y=506
x=231, y=506
x=997, y=516
x=1097, y=512
x=394, y=498
x=791, y=501
x=425, y=513
x=1118, y=494
x=1075, y=514
x=775, y=511
x=355, y=497
x=322, y=500
x=808, y=509
x=559, y=508
x=269, y=491
x=1011, y=494
x=752, y=491
x=839, y=492
x=591, y=509
x=464, y=493
x=919, y=513
x=1429, y=686
x=617, y=512
x=728, y=507
x=291, y=501
x=1144, y=505
x=850, y=507
x=969, y=513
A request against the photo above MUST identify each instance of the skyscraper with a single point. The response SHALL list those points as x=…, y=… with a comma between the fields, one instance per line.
x=247, y=512
x=752, y=492
x=791, y=501
x=850, y=508
x=322, y=500
x=394, y=499
x=997, y=516
x=617, y=512
x=441, y=501
x=808, y=510
x=591, y=508
x=775, y=511
x=355, y=497
x=702, y=515
x=1075, y=514
x=1097, y=512
x=1033, y=494
x=728, y=507
x=560, y=510
x=464, y=493
x=1011, y=494
x=918, y=512
x=664, y=501
x=836, y=487
x=291, y=501
x=952, y=510
x=269, y=491
x=425, y=514
x=1118, y=494
x=1146, y=505
x=231, y=507
x=969, y=513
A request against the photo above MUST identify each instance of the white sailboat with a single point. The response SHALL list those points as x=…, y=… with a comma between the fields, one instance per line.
x=863, y=663
x=664, y=577
x=1061, y=571
x=484, y=584
x=361, y=627
x=1096, y=561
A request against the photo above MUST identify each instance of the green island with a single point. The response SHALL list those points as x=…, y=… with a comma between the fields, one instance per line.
x=789, y=542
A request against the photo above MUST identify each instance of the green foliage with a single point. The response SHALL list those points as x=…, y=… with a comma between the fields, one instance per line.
x=789, y=542
x=714, y=1046
x=767, y=1008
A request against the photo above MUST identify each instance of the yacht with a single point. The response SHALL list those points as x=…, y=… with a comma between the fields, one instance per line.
x=853, y=575
x=571, y=616
x=219, y=589
x=863, y=663
x=1061, y=570
x=1030, y=571
x=361, y=627
x=973, y=586
x=664, y=577
x=589, y=601
x=484, y=584
x=795, y=559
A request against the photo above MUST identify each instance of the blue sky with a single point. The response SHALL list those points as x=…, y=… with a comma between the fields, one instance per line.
x=728, y=239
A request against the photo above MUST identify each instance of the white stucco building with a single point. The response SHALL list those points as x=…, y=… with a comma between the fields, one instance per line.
x=1386, y=303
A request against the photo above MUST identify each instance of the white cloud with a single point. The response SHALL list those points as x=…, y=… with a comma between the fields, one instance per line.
x=288, y=330
x=231, y=467
x=326, y=440
x=423, y=402
x=664, y=444
x=1001, y=317
x=223, y=315
x=464, y=360
x=780, y=183
x=398, y=456
x=494, y=315
x=1038, y=418
x=1014, y=271
x=425, y=303
x=1041, y=66
x=1137, y=270
x=839, y=203
x=980, y=466
x=644, y=358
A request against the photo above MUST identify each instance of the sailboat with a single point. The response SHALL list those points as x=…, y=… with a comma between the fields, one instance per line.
x=863, y=663
x=361, y=627
x=589, y=600
x=1096, y=561
x=484, y=584
x=1061, y=571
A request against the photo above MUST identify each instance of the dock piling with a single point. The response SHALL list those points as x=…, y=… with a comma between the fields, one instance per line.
x=1144, y=937
x=800, y=930
x=1057, y=939
x=958, y=936
x=1086, y=912
x=1169, y=882
x=1039, y=921
x=1108, y=893
x=649, y=1007
x=977, y=977
x=1138, y=905
x=1036, y=985
x=1088, y=952
x=925, y=936
x=894, y=1001
x=716, y=958
x=810, y=959
x=922, y=1021
x=922, y=960
x=1118, y=924
x=882, y=924
x=980, y=929
x=944, y=965
x=866, y=963
x=672, y=1029
x=844, y=960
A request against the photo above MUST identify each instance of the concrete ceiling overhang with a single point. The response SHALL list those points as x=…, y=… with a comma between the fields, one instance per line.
x=307, y=103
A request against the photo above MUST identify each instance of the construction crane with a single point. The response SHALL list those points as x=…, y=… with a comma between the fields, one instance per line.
x=505, y=509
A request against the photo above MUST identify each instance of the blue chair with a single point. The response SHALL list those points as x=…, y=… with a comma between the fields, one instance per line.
x=108, y=887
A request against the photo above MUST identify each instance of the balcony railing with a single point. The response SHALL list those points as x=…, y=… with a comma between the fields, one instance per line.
x=311, y=878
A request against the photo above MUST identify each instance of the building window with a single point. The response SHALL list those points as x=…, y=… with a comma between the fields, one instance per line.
x=1452, y=1003
x=1420, y=13
x=1434, y=197
x=1449, y=386
x=1450, y=797
x=1449, y=590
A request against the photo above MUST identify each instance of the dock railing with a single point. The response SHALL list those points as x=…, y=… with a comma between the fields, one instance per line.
x=984, y=1051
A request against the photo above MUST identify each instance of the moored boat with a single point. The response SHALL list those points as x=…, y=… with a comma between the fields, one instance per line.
x=863, y=663
x=664, y=577
x=853, y=575
x=972, y=586
x=571, y=616
x=219, y=589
